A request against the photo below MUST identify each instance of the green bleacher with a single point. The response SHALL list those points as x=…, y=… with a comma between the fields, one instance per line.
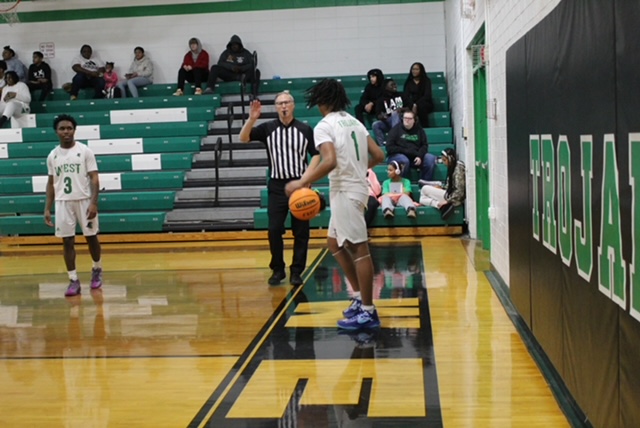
x=146, y=145
x=137, y=196
x=108, y=202
x=84, y=105
x=194, y=114
x=426, y=216
x=130, y=222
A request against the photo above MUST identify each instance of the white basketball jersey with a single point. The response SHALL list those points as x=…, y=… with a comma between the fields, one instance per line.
x=349, y=138
x=70, y=169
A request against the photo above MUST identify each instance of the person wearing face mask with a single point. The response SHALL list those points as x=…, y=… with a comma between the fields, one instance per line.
x=289, y=144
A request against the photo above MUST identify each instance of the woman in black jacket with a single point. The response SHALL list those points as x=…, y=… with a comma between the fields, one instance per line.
x=417, y=90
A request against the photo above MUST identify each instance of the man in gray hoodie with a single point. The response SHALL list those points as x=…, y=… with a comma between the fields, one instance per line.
x=233, y=63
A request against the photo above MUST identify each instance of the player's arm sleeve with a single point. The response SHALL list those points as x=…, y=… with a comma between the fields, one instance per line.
x=258, y=133
x=50, y=165
x=90, y=161
x=322, y=134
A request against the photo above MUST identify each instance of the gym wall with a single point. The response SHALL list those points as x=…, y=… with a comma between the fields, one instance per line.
x=573, y=158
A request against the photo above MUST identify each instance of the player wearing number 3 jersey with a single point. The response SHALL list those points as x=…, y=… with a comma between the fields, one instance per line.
x=74, y=185
x=346, y=151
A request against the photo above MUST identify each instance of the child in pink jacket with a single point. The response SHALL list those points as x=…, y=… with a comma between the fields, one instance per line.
x=375, y=189
x=110, y=80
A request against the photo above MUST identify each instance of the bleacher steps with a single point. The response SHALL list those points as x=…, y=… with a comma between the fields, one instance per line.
x=211, y=214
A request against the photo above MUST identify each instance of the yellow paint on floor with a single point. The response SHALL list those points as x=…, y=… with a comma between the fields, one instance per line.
x=334, y=382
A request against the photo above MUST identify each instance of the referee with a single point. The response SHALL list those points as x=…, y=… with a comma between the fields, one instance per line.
x=288, y=142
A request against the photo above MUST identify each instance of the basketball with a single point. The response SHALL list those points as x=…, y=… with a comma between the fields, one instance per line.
x=304, y=204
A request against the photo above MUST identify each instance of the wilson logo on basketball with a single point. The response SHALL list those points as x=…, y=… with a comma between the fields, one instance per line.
x=305, y=204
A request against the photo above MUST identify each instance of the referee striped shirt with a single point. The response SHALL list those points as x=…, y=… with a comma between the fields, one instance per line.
x=288, y=147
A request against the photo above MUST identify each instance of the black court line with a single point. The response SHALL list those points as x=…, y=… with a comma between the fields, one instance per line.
x=245, y=358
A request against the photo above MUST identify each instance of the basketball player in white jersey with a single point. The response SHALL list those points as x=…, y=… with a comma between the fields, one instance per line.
x=347, y=152
x=74, y=184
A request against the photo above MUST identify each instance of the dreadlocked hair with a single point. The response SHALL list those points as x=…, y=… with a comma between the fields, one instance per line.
x=329, y=93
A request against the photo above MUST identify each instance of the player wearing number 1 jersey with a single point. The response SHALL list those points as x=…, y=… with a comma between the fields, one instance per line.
x=347, y=152
x=73, y=183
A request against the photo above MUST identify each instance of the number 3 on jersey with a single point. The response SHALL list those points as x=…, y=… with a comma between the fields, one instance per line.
x=67, y=185
x=355, y=143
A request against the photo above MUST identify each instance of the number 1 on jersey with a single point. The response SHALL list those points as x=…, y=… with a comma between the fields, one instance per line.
x=355, y=143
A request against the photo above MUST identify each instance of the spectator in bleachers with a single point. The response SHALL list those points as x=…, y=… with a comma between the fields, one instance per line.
x=140, y=74
x=289, y=144
x=396, y=190
x=375, y=190
x=453, y=193
x=372, y=91
x=194, y=68
x=407, y=144
x=39, y=76
x=110, y=81
x=15, y=98
x=3, y=69
x=235, y=62
x=387, y=110
x=417, y=92
x=14, y=64
x=89, y=73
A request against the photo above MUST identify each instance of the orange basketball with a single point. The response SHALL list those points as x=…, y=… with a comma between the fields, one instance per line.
x=304, y=204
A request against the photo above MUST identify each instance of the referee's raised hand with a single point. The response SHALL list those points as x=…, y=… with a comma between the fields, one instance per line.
x=255, y=108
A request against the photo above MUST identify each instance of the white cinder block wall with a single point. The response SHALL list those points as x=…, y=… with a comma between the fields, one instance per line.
x=505, y=22
x=303, y=42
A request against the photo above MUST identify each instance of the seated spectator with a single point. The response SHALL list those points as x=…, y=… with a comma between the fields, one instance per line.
x=3, y=69
x=110, y=81
x=194, y=68
x=452, y=194
x=386, y=110
x=417, y=92
x=396, y=190
x=89, y=73
x=234, y=63
x=407, y=144
x=15, y=98
x=140, y=74
x=372, y=91
x=14, y=64
x=374, y=193
x=39, y=76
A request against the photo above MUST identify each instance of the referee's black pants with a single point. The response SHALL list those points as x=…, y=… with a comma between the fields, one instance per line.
x=277, y=210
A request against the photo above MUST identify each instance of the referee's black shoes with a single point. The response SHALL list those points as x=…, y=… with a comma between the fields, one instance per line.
x=276, y=277
x=295, y=279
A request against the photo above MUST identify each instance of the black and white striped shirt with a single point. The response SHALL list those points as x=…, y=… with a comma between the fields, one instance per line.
x=287, y=147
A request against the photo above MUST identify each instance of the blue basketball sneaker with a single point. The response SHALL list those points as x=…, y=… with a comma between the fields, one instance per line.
x=363, y=319
x=353, y=309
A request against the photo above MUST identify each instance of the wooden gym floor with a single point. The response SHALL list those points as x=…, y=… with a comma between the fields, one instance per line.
x=191, y=335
